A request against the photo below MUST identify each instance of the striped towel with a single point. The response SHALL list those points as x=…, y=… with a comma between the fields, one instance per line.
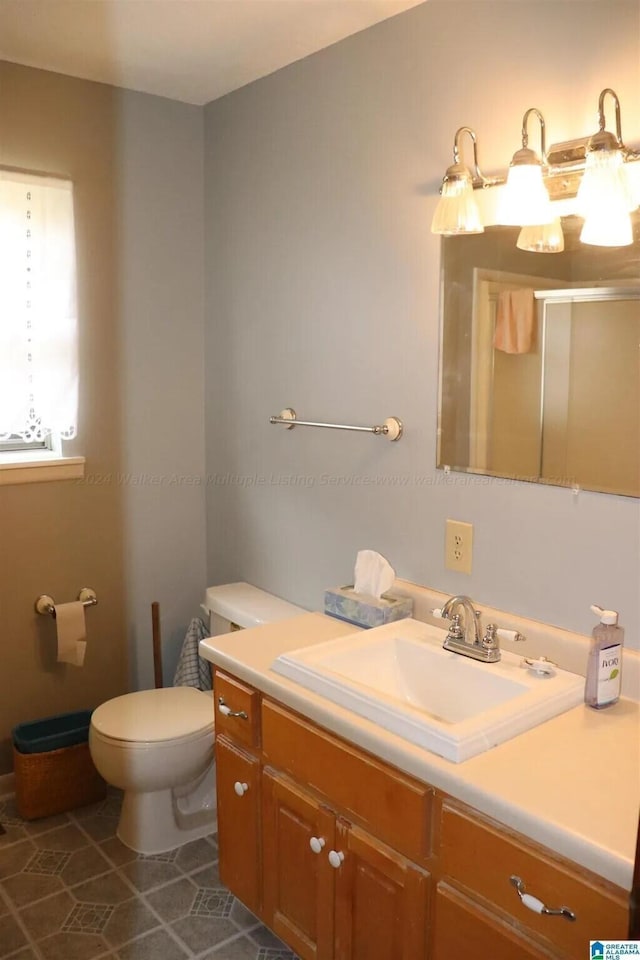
x=192, y=670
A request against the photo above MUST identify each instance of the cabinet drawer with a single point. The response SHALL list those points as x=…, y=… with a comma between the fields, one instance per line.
x=240, y=699
x=482, y=859
x=393, y=807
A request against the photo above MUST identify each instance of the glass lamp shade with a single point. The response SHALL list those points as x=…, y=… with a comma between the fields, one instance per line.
x=525, y=201
x=543, y=238
x=608, y=228
x=457, y=211
x=605, y=184
x=605, y=200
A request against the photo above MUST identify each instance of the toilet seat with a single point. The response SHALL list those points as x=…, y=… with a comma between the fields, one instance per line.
x=155, y=716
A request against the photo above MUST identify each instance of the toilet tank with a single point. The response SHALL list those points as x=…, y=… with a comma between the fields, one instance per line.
x=236, y=606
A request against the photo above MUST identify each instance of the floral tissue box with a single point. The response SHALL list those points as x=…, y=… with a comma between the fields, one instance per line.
x=364, y=611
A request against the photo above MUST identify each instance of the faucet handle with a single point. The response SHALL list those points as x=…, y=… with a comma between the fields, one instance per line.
x=490, y=640
x=455, y=630
x=512, y=635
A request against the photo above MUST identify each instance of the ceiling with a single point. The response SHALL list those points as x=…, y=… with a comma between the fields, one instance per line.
x=190, y=50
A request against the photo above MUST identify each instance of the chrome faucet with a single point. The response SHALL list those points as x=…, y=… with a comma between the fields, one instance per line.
x=485, y=648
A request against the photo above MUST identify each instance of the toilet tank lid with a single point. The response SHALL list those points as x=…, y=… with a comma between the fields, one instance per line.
x=153, y=715
x=248, y=606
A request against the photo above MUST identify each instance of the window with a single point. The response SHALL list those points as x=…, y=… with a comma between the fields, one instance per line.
x=38, y=316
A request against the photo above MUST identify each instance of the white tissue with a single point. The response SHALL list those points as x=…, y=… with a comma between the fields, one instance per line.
x=72, y=633
x=373, y=575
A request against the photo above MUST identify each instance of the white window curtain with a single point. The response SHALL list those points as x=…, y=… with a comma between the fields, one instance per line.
x=38, y=315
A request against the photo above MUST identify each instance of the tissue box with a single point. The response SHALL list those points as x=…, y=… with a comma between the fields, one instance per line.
x=363, y=611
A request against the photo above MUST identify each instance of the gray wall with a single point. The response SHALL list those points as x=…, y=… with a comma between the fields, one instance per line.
x=160, y=317
x=322, y=294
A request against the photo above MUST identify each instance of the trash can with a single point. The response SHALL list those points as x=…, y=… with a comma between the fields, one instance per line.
x=53, y=767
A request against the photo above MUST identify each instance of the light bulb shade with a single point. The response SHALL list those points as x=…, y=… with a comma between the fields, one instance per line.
x=605, y=186
x=525, y=200
x=543, y=238
x=610, y=228
x=457, y=211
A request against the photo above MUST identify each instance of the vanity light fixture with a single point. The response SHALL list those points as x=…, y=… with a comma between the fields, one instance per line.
x=525, y=199
x=457, y=211
x=592, y=169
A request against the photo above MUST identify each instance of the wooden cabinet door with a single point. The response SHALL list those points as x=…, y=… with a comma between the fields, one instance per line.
x=238, y=788
x=461, y=928
x=381, y=901
x=298, y=883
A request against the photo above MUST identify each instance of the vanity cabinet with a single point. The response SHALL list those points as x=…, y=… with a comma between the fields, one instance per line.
x=346, y=858
x=480, y=857
x=238, y=787
x=333, y=890
x=463, y=928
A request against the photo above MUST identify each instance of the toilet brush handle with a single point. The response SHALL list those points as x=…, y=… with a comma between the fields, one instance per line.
x=228, y=712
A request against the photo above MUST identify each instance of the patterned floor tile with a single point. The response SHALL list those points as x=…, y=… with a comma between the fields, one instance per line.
x=192, y=856
x=158, y=945
x=72, y=946
x=80, y=894
x=26, y=954
x=11, y=936
x=109, y=888
x=67, y=838
x=129, y=920
x=24, y=888
x=84, y=865
x=147, y=874
x=47, y=916
x=240, y=949
x=15, y=857
x=199, y=933
x=174, y=900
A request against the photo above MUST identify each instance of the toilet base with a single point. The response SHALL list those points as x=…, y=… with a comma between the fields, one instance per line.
x=165, y=819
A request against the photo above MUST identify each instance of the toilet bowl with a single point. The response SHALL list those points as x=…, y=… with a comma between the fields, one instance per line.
x=157, y=746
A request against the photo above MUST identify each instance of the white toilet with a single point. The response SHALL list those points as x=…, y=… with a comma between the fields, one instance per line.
x=157, y=745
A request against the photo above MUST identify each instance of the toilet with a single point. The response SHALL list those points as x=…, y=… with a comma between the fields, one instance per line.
x=157, y=745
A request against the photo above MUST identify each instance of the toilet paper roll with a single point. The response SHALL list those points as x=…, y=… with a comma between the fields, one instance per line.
x=72, y=632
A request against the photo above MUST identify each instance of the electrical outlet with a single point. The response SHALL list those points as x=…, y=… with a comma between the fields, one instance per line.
x=458, y=550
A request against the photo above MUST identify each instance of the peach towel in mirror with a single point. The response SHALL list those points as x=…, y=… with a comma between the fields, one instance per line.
x=515, y=321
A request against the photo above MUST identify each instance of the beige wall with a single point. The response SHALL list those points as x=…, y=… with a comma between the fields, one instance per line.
x=125, y=530
x=57, y=537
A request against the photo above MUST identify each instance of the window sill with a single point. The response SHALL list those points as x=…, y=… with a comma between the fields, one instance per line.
x=39, y=467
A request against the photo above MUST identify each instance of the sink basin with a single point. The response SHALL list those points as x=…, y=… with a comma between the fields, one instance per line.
x=399, y=676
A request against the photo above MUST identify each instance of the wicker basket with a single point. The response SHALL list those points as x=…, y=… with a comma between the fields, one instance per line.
x=55, y=781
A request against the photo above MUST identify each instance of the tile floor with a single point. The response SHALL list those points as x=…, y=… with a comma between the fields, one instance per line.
x=69, y=890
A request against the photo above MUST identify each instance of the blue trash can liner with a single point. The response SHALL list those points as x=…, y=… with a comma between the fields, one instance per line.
x=52, y=733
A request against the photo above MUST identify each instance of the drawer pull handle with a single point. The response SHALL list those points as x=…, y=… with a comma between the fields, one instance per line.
x=335, y=858
x=317, y=843
x=532, y=903
x=228, y=712
x=240, y=788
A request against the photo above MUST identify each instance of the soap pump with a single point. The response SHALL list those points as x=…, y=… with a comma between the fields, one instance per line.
x=604, y=669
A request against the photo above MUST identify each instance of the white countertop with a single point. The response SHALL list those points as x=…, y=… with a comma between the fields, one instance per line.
x=572, y=783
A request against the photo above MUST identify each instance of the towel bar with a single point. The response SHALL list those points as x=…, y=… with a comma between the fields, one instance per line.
x=45, y=605
x=391, y=428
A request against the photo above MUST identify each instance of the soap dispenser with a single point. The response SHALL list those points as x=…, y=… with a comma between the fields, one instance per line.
x=604, y=669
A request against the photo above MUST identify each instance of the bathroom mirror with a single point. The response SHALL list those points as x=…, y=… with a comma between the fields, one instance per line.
x=539, y=361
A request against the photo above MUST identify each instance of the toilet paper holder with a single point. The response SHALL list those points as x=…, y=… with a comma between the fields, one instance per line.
x=46, y=607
